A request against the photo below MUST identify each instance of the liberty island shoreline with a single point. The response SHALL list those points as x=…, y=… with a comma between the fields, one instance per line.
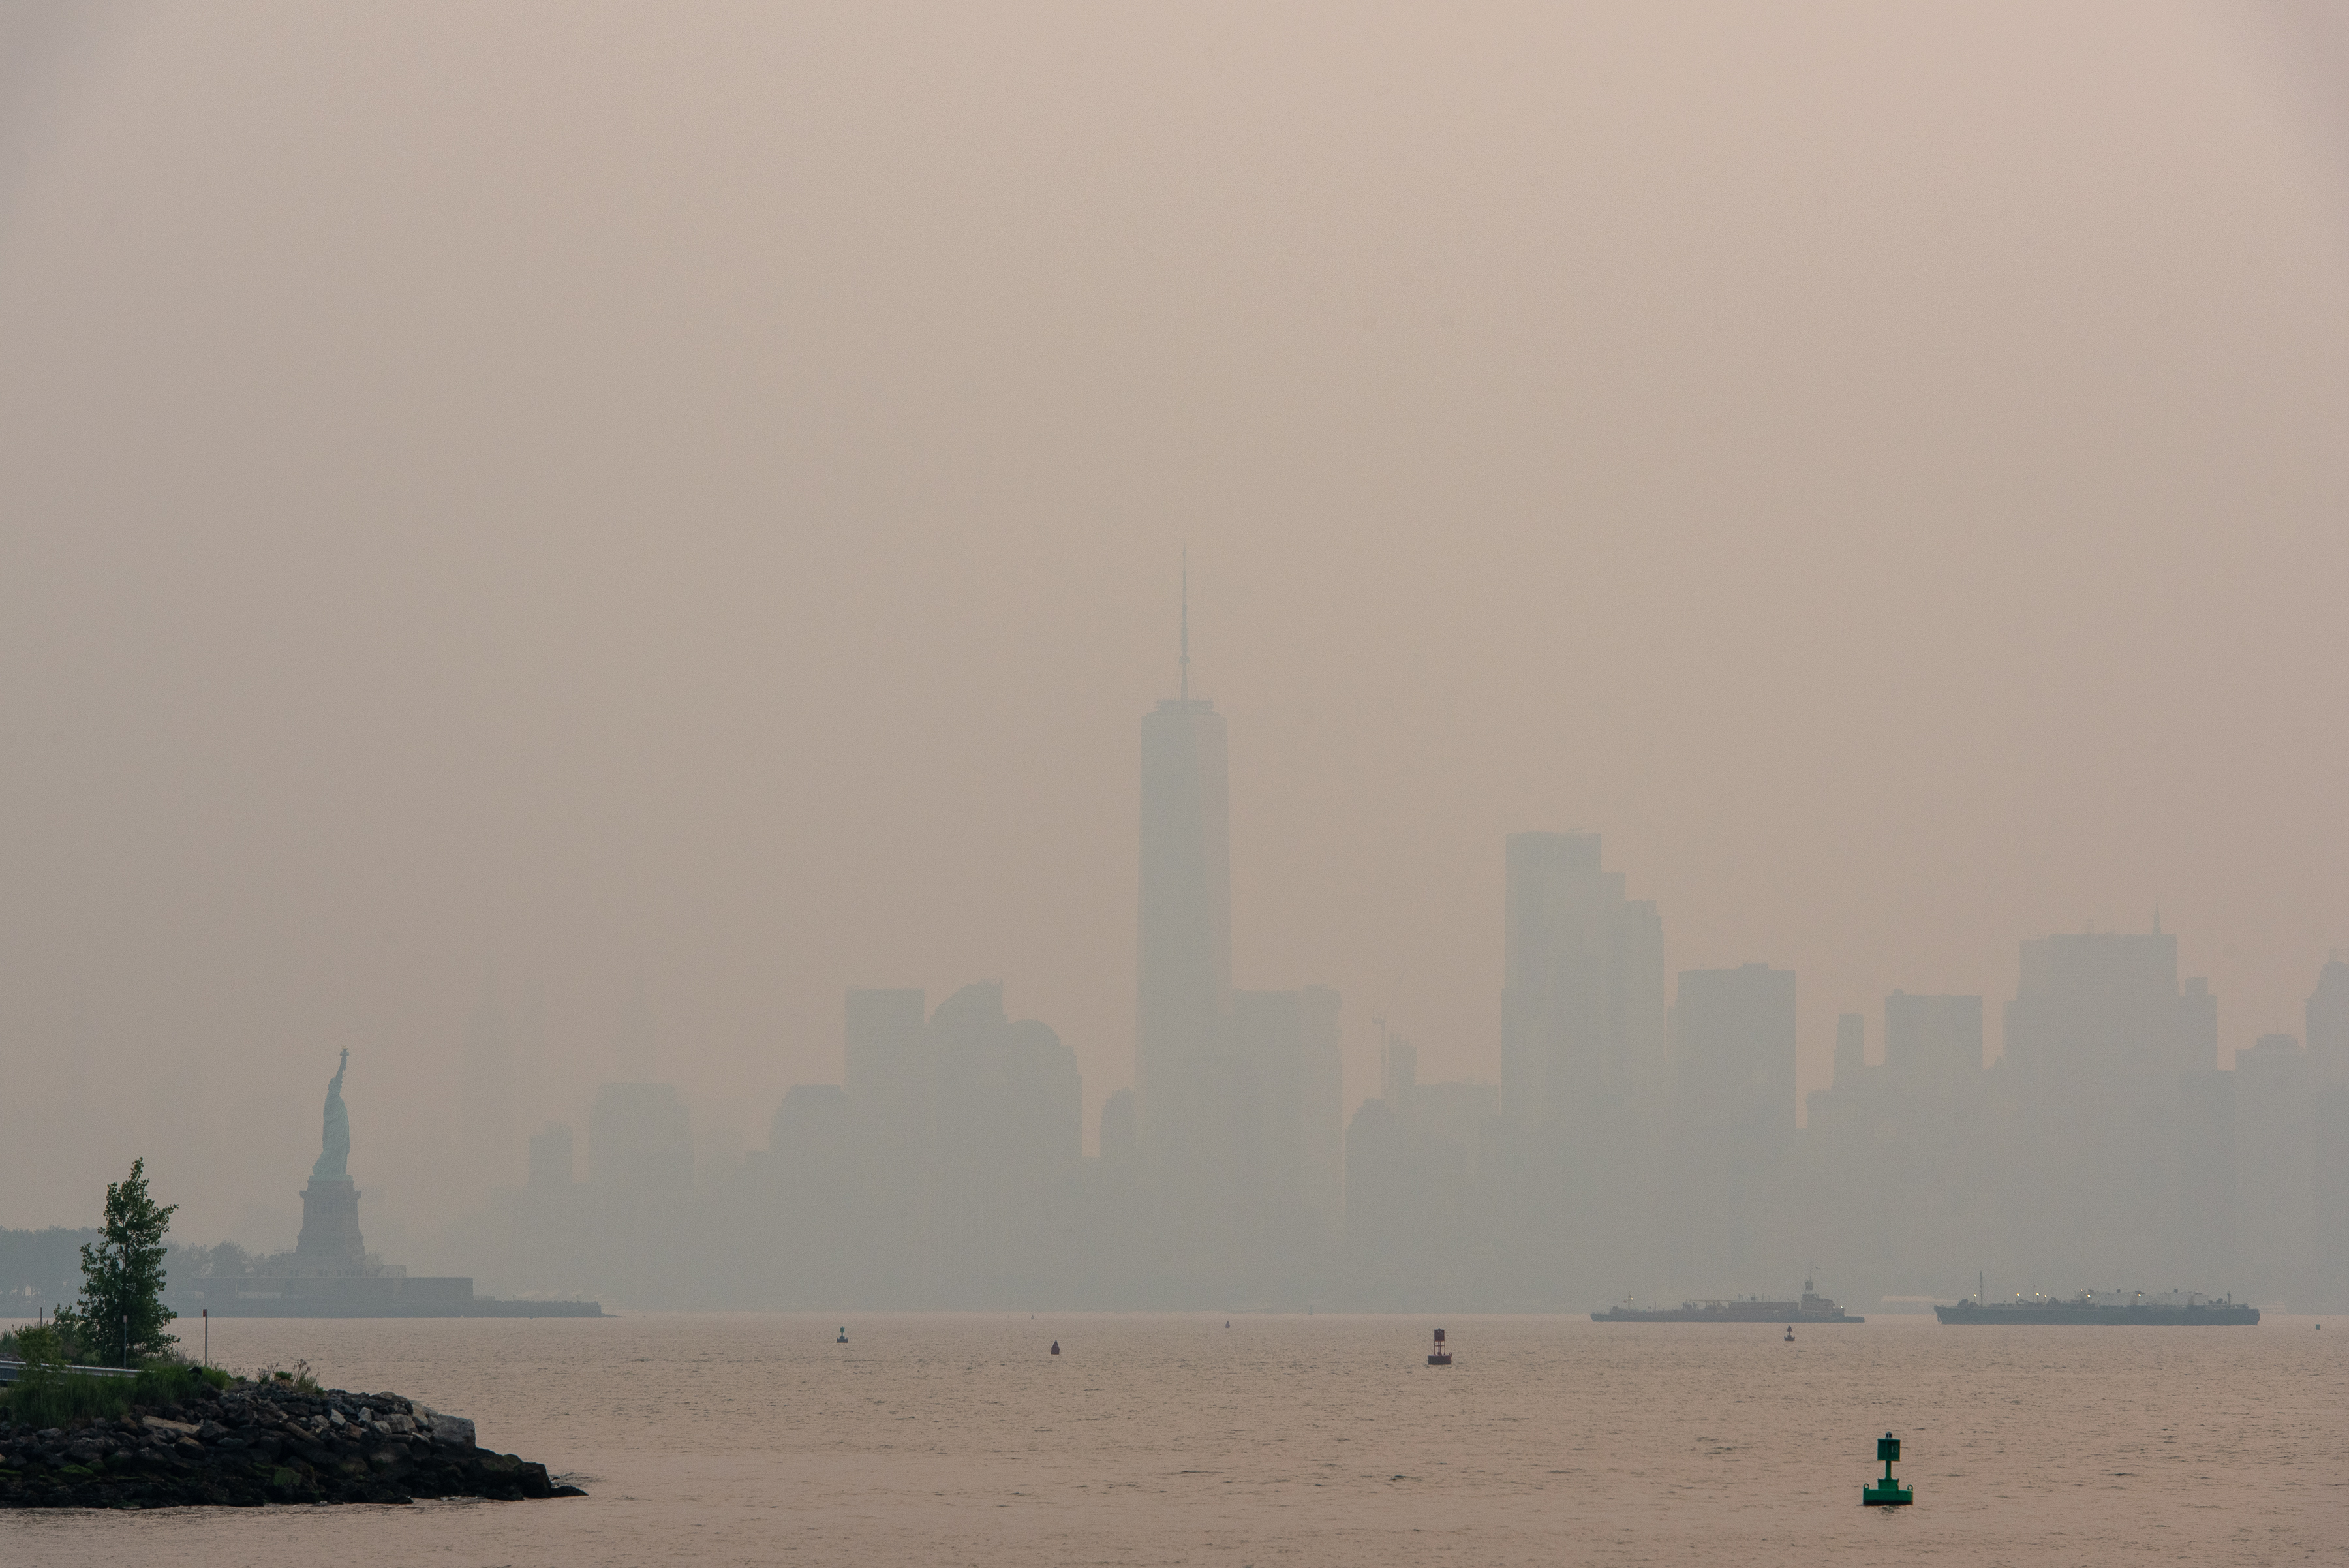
x=330, y=1272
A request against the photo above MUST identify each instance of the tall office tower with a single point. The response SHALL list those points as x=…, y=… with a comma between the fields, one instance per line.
x=1286, y=1049
x=1837, y=1109
x=1010, y=1126
x=1267, y=1038
x=1931, y=1104
x=2206, y=1181
x=886, y=1054
x=486, y=1102
x=1182, y=1068
x=1851, y=1049
x=2198, y=1027
x=1398, y=1074
x=2328, y=1175
x=1582, y=1000
x=2104, y=1002
x=1734, y=1053
x=2328, y=1023
x=2095, y=1037
x=639, y=1139
x=803, y=1208
x=968, y=1199
x=2328, y=1067
x=552, y=1161
x=811, y=1140
x=1043, y=1105
x=1119, y=1155
x=2274, y=1193
x=891, y=1078
x=1321, y=1110
x=801, y=1228
x=1376, y=1187
x=1933, y=1039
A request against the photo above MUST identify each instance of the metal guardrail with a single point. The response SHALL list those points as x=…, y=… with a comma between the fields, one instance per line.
x=11, y=1370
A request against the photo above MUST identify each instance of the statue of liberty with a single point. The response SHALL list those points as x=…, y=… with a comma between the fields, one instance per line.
x=334, y=1156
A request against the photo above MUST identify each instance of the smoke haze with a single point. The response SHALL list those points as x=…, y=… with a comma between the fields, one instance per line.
x=611, y=526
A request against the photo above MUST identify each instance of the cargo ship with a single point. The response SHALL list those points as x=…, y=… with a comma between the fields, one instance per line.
x=2172, y=1309
x=1811, y=1308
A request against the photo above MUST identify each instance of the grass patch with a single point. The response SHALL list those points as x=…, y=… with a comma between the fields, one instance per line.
x=298, y=1375
x=62, y=1399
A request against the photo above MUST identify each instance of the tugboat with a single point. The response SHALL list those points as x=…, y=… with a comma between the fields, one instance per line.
x=1440, y=1357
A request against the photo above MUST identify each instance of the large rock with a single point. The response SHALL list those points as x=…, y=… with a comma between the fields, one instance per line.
x=446, y=1431
x=262, y=1443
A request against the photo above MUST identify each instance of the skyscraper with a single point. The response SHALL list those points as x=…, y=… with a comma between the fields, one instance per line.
x=1734, y=1080
x=2275, y=1215
x=551, y=1162
x=1734, y=1055
x=639, y=1140
x=1010, y=1126
x=2328, y=1066
x=2096, y=1036
x=1933, y=1039
x=1322, y=1153
x=1582, y=1000
x=2205, y=1243
x=1184, y=972
x=1851, y=1049
x=486, y=1105
x=891, y=1086
x=1582, y=1061
x=2328, y=1025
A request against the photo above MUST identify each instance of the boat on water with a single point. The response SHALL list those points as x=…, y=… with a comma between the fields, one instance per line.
x=1811, y=1307
x=2169, y=1309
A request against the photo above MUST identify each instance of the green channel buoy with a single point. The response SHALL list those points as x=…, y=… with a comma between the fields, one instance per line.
x=1887, y=1493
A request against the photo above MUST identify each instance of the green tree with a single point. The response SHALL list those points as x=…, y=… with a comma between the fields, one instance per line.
x=120, y=1317
x=41, y=1349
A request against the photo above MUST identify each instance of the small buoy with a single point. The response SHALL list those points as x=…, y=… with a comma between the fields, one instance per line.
x=1439, y=1356
x=843, y=1335
x=1056, y=1347
x=1227, y=1323
x=1888, y=1493
x=1790, y=1333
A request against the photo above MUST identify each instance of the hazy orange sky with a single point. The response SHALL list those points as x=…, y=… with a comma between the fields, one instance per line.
x=678, y=507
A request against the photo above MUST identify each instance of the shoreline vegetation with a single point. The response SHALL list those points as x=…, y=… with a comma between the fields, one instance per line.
x=105, y=1411
x=182, y=1436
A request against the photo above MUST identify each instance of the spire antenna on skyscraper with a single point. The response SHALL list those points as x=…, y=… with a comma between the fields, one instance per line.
x=1186, y=624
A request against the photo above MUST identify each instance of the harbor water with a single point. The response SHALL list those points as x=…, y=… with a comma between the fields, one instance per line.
x=1310, y=1440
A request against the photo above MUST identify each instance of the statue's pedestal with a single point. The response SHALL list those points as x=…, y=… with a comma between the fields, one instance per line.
x=330, y=1222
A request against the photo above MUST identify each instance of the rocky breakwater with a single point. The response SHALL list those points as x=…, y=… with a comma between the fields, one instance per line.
x=258, y=1443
